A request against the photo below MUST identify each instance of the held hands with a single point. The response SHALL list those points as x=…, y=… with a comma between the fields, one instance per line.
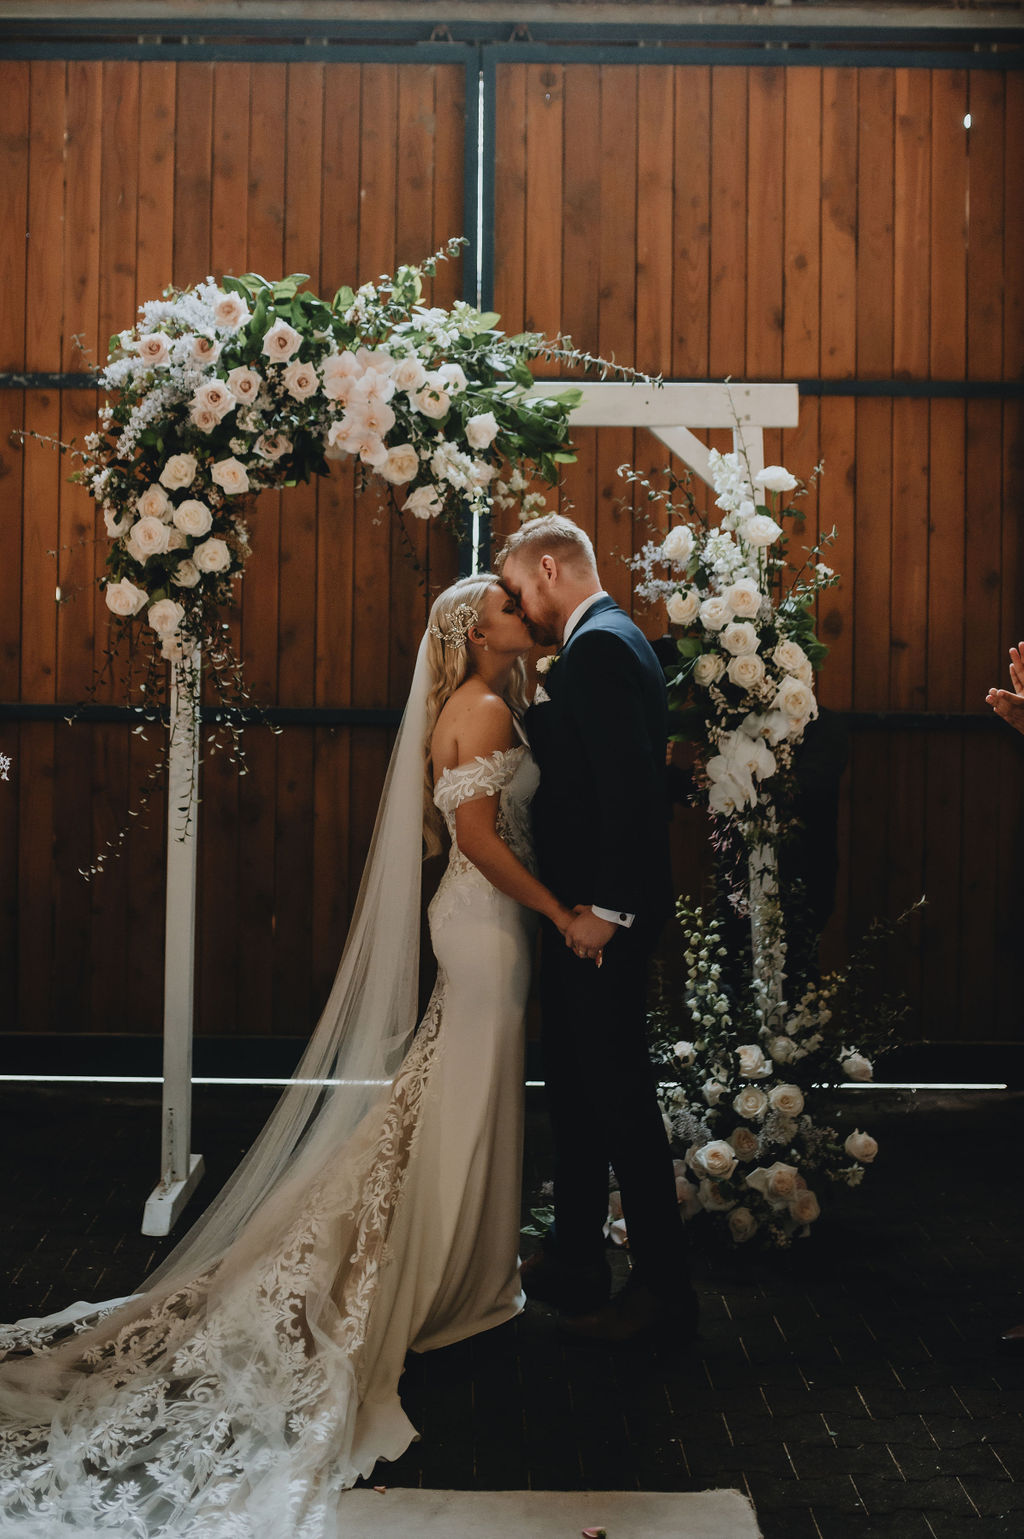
x=1010, y=704
x=588, y=935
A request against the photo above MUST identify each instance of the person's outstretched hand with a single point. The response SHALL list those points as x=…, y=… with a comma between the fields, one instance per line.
x=1009, y=704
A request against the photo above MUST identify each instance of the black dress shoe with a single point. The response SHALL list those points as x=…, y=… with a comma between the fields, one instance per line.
x=638, y=1316
x=572, y=1289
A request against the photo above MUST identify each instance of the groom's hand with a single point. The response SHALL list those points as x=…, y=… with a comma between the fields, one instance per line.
x=588, y=935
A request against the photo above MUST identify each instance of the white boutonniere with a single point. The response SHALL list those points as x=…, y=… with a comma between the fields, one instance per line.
x=545, y=664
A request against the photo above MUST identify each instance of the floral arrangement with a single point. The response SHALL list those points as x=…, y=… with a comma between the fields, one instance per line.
x=737, y=1098
x=227, y=389
x=744, y=681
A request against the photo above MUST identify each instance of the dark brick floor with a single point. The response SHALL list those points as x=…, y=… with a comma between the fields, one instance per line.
x=854, y=1386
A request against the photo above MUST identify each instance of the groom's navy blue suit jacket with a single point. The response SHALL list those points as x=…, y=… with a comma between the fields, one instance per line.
x=600, y=815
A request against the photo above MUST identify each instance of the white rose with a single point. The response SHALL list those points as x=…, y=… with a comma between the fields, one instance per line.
x=687, y=1197
x=778, y=1184
x=708, y=669
x=481, y=430
x=153, y=349
x=744, y=1141
x=795, y=699
x=150, y=536
x=214, y=396
x=271, y=446
x=230, y=312
x=782, y=1049
x=683, y=608
x=212, y=556
x=712, y=1199
x=165, y=616
x=193, y=517
x=775, y=478
x=714, y=613
x=244, y=383
x=231, y=476
x=752, y=1061
x=116, y=523
x=745, y=672
x=740, y=638
x=204, y=349
x=401, y=464
x=750, y=1102
x=409, y=375
x=179, y=472
x=301, y=380
x=423, y=502
x=677, y=547
x=805, y=1207
x=432, y=399
x=154, y=502
x=686, y=1053
x=186, y=574
x=124, y=598
x=856, y=1066
x=861, y=1146
x=760, y=530
x=713, y=1090
x=716, y=1159
x=787, y=1099
x=453, y=379
x=790, y=657
x=743, y=598
x=280, y=342
x=742, y=1225
x=204, y=418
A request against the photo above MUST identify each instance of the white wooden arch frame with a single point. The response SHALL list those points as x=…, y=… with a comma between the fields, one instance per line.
x=746, y=409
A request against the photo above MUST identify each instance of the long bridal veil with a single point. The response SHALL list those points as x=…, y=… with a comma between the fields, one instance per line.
x=222, y=1397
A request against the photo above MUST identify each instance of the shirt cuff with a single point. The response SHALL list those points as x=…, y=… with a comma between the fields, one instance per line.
x=614, y=916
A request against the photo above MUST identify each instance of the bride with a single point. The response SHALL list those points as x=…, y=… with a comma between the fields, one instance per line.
x=254, y=1377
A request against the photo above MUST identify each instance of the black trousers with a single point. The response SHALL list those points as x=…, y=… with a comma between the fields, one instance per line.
x=602, y=1101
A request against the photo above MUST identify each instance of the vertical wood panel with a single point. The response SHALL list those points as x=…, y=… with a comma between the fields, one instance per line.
x=839, y=288
x=192, y=172
x=911, y=215
x=985, y=235
x=692, y=222
x=727, y=313
x=655, y=144
x=765, y=199
x=581, y=216
x=802, y=206
x=946, y=556
x=948, y=235
x=872, y=555
x=156, y=160
x=44, y=328
x=544, y=106
x=510, y=197
x=15, y=87
x=875, y=224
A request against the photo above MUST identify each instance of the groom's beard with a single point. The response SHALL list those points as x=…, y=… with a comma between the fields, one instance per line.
x=545, y=633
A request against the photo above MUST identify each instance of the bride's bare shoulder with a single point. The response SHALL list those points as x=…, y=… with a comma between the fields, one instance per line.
x=473, y=720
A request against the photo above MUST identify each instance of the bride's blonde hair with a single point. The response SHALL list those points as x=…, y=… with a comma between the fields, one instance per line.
x=450, y=660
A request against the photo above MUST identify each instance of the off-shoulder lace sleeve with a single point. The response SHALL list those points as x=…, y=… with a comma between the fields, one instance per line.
x=486, y=775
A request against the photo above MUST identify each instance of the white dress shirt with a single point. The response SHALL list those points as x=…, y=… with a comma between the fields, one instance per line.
x=613, y=916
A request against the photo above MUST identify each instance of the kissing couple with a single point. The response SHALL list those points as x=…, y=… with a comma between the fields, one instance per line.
x=254, y=1376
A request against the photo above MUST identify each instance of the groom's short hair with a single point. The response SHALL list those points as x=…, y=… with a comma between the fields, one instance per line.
x=552, y=535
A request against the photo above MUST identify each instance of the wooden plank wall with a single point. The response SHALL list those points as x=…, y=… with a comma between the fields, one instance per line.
x=825, y=224
x=124, y=175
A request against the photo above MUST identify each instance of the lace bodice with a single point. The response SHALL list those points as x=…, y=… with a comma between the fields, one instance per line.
x=512, y=775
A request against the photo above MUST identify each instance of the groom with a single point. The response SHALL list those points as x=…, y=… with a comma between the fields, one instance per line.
x=600, y=819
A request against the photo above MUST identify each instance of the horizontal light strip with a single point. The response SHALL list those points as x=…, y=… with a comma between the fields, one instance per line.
x=531, y=1084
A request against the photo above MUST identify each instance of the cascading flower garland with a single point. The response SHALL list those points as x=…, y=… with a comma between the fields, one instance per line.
x=228, y=388
x=743, y=687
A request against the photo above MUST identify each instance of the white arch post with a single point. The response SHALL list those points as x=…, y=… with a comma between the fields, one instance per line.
x=746, y=409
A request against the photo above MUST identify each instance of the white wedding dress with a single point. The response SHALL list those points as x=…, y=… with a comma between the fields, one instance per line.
x=240, y=1402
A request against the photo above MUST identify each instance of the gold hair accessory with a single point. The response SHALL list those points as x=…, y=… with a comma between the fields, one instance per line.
x=459, y=621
